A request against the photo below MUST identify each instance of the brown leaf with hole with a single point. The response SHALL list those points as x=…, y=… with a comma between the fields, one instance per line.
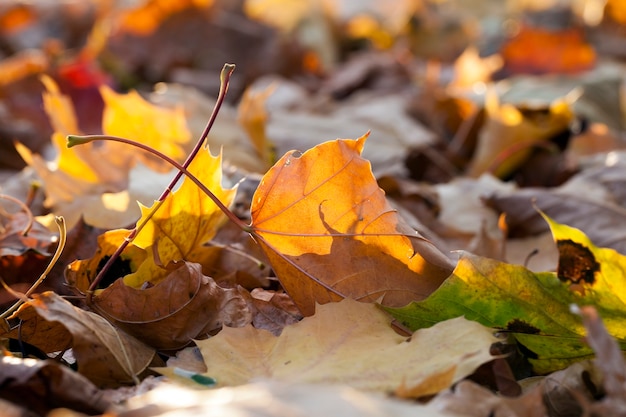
x=186, y=305
x=105, y=355
x=330, y=233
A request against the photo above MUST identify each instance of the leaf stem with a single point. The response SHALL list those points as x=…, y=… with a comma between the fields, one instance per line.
x=225, y=75
x=182, y=169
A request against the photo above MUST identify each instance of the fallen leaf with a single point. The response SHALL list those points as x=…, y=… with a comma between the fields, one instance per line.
x=534, y=308
x=186, y=305
x=591, y=201
x=509, y=134
x=394, y=132
x=349, y=343
x=271, y=311
x=48, y=336
x=252, y=116
x=183, y=223
x=610, y=362
x=41, y=386
x=472, y=400
x=131, y=117
x=329, y=232
x=538, y=50
x=81, y=273
x=146, y=18
x=105, y=355
x=99, y=181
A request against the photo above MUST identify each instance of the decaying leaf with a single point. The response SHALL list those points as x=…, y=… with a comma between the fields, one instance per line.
x=48, y=336
x=534, y=308
x=472, y=400
x=610, y=362
x=329, y=232
x=186, y=305
x=105, y=355
x=41, y=386
x=349, y=343
x=509, y=134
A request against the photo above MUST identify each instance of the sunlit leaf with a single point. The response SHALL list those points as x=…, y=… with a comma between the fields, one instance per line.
x=350, y=343
x=534, y=307
x=330, y=233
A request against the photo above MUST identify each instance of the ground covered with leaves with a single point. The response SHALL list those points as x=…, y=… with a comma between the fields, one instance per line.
x=182, y=233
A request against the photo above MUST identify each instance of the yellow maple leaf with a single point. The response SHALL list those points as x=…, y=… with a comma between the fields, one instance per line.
x=186, y=219
x=131, y=117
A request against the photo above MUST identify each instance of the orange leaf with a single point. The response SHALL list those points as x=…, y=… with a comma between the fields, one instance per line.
x=330, y=233
x=539, y=51
x=144, y=20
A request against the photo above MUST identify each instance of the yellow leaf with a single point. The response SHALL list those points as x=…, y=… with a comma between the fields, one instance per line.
x=186, y=219
x=350, y=343
x=252, y=116
x=131, y=117
x=62, y=117
x=509, y=134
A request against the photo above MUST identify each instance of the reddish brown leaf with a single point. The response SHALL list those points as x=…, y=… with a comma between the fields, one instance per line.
x=105, y=355
x=186, y=305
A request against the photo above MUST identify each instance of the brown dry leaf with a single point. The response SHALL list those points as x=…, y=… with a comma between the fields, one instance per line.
x=610, y=362
x=329, y=232
x=186, y=305
x=509, y=134
x=350, y=343
x=593, y=201
x=41, y=386
x=394, y=133
x=271, y=311
x=48, y=336
x=105, y=355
